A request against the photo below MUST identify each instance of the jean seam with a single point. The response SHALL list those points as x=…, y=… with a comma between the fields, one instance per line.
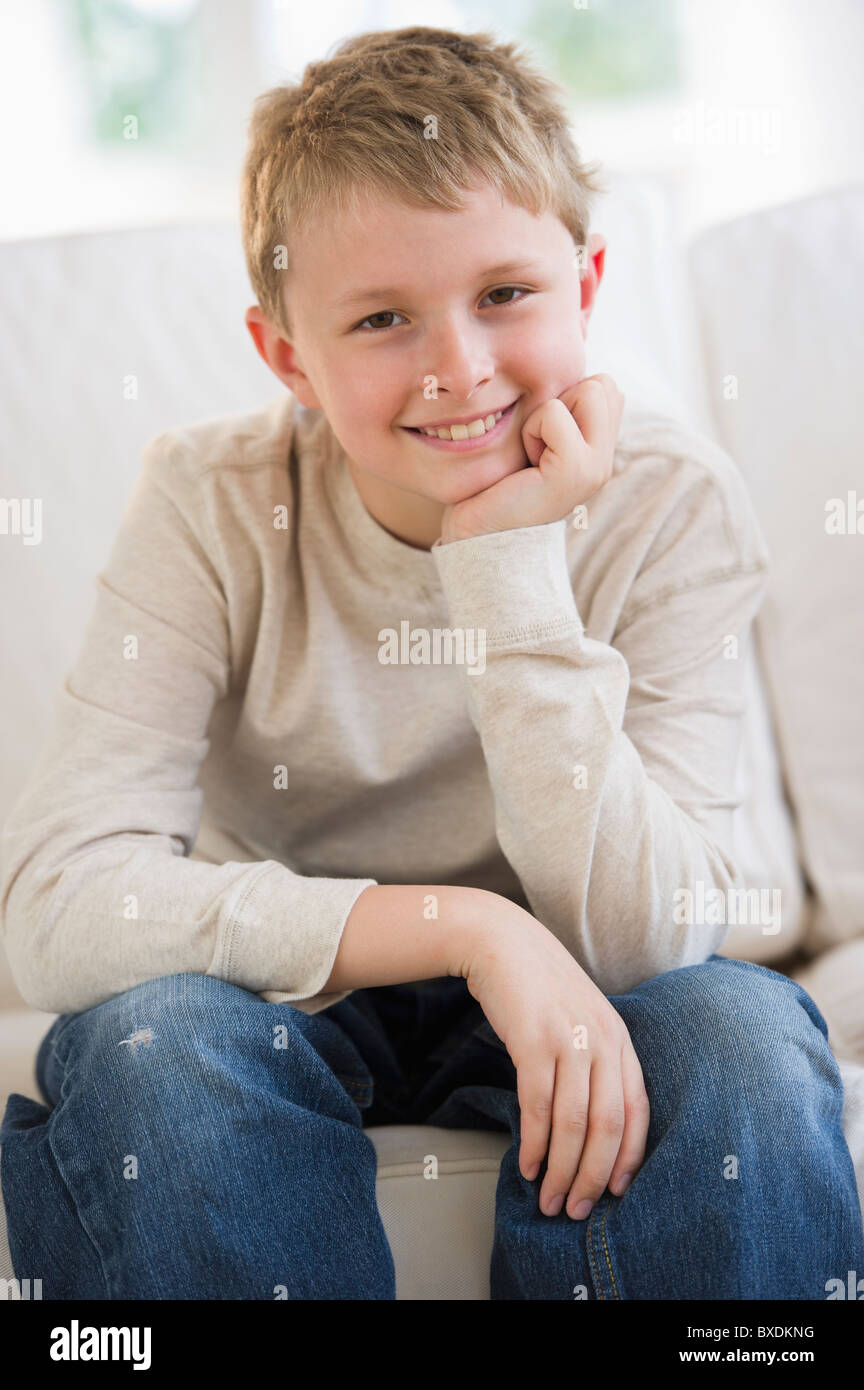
x=598, y=1282
x=606, y=1249
x=353, y=1085
x=591, y=1260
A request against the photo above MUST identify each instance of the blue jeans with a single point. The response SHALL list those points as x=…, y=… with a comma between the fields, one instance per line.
x=199, y=1143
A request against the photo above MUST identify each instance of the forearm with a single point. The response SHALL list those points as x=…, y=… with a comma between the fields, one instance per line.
x=392, y=934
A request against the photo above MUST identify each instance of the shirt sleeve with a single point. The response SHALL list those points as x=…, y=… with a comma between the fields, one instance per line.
x=612, y=765
x=98, y=891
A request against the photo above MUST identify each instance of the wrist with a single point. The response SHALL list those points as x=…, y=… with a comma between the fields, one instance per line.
x=452, y=531
x=473, y=913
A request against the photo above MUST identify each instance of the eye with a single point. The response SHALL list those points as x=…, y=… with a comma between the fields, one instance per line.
x=507, y=289
x=378, y=327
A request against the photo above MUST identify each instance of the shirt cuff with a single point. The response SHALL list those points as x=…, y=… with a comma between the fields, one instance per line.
x=283, y=934
x=514, y=584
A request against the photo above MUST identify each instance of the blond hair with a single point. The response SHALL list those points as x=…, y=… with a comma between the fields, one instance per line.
x=361, y=121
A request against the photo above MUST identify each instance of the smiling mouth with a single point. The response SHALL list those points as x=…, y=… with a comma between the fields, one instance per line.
x=470, y=429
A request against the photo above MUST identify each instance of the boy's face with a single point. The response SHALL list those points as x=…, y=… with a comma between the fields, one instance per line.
x=388, y=303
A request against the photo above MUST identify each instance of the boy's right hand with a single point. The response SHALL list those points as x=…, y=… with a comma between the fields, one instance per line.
x=578, y=1075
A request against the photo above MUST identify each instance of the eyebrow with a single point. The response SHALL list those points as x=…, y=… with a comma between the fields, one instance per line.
x=385, y=292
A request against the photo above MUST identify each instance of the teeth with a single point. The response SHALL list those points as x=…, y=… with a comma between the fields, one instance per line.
x=473, y=430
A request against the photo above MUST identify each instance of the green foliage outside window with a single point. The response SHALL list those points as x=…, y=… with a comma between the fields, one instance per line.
x=139, y=63
x=135, y=65
x=610, y=50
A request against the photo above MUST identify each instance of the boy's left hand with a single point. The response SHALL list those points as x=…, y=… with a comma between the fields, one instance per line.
x=570, y=443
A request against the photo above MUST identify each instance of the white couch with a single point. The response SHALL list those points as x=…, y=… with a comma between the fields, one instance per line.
x=754, y=333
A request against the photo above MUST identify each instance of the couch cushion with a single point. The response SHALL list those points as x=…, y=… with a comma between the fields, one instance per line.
x=835, y=979
x=436, y=1195
x=765, y=842
x=781, y=297
x=645, y=331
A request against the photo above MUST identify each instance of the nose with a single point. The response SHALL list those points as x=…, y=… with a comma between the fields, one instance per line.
x=459, y=357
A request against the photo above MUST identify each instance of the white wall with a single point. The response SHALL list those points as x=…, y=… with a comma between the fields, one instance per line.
x=790, y=69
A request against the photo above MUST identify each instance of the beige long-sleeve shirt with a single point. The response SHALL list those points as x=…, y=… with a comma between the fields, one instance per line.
x=245, y=743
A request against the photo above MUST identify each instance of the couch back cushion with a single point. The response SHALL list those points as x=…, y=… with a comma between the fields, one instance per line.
x=780, y=295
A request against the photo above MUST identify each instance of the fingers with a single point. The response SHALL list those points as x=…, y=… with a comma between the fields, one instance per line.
x=631, y=1155
x=617, y=1131
x=535, y=1086
x=606, y=1123
x=569, y=1127
x=587, y=1113
x=596, y=404
x=582, y=423
x=599, y=1128
x=547, y=434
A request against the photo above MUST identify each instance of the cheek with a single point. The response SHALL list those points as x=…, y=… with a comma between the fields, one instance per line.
x=569, y=349
x=554, y=365
x=553, y=344
x=552, y=358
x=368, y=398
x=351, y=404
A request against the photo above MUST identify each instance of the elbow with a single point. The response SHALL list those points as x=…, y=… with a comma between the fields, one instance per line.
x=703, y=912
x=703, y=907
x=666, y=951
x=43, y=989
x=676, y=927
x=35, y=986
x=671, y=915
x=37, y=982
x=35, y=990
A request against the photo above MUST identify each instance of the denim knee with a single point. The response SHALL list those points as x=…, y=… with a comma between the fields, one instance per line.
x=153, y=1032
x=190, y=1119
x=178, y=1034
x=136, y=1021
x=732, y=1018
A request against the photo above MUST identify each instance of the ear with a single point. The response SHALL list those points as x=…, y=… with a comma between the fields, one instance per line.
x=280, y=355
x=589, y=281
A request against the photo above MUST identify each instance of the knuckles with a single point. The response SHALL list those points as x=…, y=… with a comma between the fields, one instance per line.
x=610, y=1122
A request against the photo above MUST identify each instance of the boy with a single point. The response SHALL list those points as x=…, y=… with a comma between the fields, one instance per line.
x=440, y=469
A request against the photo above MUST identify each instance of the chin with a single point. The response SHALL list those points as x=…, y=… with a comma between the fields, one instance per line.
x=481, y=473
x=460, y=490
